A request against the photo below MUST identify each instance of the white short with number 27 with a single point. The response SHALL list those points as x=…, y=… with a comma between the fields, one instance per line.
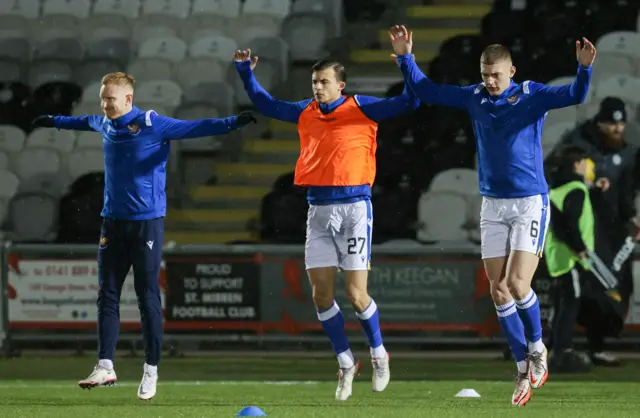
x=339, y=236
x=519, y=224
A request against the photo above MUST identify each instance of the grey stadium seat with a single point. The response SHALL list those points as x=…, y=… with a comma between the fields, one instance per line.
x=33, y=217
x=55, y=185
x=64, y=49
x=331, y=9
x=275, y=51
x=33, y=161
x=12, y=139
x=15, y=47
x=18, y=14
x=114, y=49
x=91, y=70
x=306, y=34
x=41, y=72
x=10, y=70
x=219, y=95
x=208, y=16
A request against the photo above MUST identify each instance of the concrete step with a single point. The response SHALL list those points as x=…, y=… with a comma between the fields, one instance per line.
x=455, y=11
x=193, y=237
x=251, y=173
x=210, y=220
x=383, y=56
x=233, y=192
x=436, y=36
x=271, y=151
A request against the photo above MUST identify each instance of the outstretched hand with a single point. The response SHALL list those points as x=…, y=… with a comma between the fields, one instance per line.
x=401, y=40
x=44, y=121
x=245, y=55
x=586, y=53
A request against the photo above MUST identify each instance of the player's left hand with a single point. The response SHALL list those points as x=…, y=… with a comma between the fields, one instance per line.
x=586, y=53
x=44, y=121
x=246, y=118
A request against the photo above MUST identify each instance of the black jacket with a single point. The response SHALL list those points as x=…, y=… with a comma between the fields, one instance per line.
x=565, y=224
x=615, y=207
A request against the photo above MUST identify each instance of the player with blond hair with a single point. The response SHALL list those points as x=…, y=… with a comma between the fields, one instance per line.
x=507, y=121
x=337, y=165
x=136, y=149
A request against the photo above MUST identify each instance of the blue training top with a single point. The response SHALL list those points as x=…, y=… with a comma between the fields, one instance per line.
x=136, y=150
x=508, y=127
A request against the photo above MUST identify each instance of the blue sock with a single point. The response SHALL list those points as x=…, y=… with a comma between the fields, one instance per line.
x=513, y=330
x=370, y=321
x=529, y=312
x=333, y=324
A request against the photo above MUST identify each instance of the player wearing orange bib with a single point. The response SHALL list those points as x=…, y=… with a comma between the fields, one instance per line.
x=337, y=165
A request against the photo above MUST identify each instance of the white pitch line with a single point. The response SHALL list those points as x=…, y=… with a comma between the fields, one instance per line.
x=57, y=385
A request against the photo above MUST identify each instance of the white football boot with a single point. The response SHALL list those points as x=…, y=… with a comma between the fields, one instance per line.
x=147, y=388
x=345, y=381
x=381, y=373
x=538, y=370
x=99, y=377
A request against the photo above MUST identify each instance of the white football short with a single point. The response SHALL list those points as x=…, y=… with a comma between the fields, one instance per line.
x=339, y=236
x=519, y=224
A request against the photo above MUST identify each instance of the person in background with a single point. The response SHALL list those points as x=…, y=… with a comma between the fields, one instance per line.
x=603, y=139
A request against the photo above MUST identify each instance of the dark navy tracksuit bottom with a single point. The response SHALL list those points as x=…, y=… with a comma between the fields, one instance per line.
x=124, y=244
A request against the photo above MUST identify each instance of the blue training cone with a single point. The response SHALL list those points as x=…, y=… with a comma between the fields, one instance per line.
x=251, y=411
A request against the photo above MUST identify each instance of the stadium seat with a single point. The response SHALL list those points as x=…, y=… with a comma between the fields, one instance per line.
x=89, y=140
x=91, y=95
x=87, y=108
x=33, y=217
x=209, y=60
x=623, y=44
x=266, y=14
x=610, y=65
x=395, y=212
x=473, y=223
x=4, y=161
x=624, y=87
x=18, y=14
x=151, y=69
x=275, y=52
x=116, y=15
x=14, y=104
x=163, y=93
x=60, y=140
x=54, y=185
x=565, y=114
x=442, y=217
x=67, y=14
x=307, y=35
x=167, y=14
x=9, y=184
x=552, y=133
x=91, y=70
x=113, y=49
x=209, y=16
x=85, y=160
x=461, y=180
x=219, y=95
x=10, y=71
x=14, y=45
x=171, y=49
x=48, y=71
x=12, y=139
x=33, y=161
x=62, y=48
x=332, y=10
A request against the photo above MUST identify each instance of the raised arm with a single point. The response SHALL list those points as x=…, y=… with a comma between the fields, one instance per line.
x=171, y=129
x=267, y=105
x=426, y=90
x=378, y=109
x=73, y=123
x=556, y=97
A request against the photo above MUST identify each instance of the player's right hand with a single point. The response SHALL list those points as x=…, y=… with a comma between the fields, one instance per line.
x=245, y=55
x=401, y=40
x=44, y=121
